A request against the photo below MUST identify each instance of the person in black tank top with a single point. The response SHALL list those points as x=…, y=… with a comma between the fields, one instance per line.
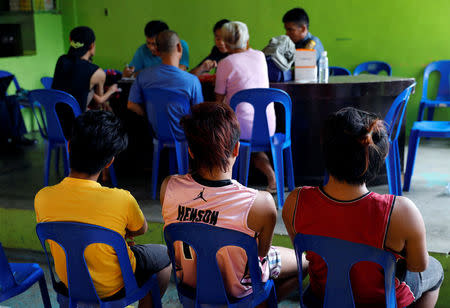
x=77, y=75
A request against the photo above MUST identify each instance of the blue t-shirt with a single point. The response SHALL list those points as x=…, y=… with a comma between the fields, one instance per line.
x=144, y=58
x=166, y=77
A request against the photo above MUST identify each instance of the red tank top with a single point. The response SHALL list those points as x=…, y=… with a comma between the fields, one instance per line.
x=364, y=220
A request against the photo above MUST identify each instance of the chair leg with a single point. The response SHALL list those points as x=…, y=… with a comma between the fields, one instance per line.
x=289, y=169
x=155, y=167
x=421, y=112
x=112, y=175
x=155, y=294
x=57, y=155
x=235, y=168
x=66, y=161
x=414, y=140
x=277, y=154
x=44, y=292
x=244, y=164
x=172, y=161
x=398, y=170
x=390, y=170
x=48, y=157
x=181, y=151
x=430, y=114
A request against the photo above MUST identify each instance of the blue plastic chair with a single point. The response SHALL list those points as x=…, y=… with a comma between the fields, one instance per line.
x=339, y=71
x=16, y=83
x=340, y=256
x=73, y=238
x=261, y=141
x=206, y=241
x=432, y=129
x=47, y=82
x=50, y=127
x=16, y=278
x=164, y=110
x=373, y=67
x=443, y=94
x=393, y=122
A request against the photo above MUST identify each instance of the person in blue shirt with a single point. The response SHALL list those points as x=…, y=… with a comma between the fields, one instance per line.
x=296, y=23
x=146, y=56
x=166, y=75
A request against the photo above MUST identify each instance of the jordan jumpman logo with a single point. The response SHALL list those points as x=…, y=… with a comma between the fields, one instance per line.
x=200, y=195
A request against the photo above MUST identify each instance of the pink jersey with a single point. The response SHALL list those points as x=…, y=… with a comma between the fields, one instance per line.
x=225, y=205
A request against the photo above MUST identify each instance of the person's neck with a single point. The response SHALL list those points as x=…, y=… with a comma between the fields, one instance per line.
x=238, y=50
x=344, y=191
x=86, y=56
x=216, y=174
x=84, y=176
x=170, y=59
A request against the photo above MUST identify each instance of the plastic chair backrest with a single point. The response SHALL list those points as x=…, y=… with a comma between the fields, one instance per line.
x=7, y=280
x=74, y=238
x=48, y=99
x=340, y=256
x=396, y=113
x=260, y=98
x=164, y=110
x=373, y=67
x=47, y=82
x=443, y=67
x=206, y=241
x=6, y=74
x=339, y=71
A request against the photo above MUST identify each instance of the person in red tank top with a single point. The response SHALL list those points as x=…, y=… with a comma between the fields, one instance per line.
x=355, y=145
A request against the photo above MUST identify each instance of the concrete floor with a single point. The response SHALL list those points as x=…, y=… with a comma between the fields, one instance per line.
x=21, y=176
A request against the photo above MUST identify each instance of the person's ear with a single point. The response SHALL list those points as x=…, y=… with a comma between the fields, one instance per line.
x=303, y=29
x=236, y=149
x=179, y=47
x=190, y=153
x=110, y=163
x=248, y=44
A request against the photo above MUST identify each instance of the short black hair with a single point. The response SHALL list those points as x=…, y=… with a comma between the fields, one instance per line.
x=355, y=144
x=154, y=27
x=166, y=41
x=219, y=24
x=298, y=16
x=97, y=137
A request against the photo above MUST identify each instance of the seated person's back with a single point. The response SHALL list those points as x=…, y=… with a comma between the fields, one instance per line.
x=355, y=144
x=166, y=75
x=209, y=195
x=79, y=198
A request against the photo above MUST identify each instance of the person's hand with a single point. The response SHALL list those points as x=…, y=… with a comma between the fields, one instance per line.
x=113, y=89
x=207, y=65
x=129, y=239
x=128, y=71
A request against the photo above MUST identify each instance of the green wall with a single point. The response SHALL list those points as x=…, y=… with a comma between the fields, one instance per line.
x=408, y=34
x=49, y=46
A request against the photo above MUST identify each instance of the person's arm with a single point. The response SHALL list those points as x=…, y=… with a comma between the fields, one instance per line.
x=136, y=108
x=222, y=73
x=98, y=83
x=162, y=191
x=136, y=98
x=288, y=212
x=204, y=67
x=262, y=218
x=136, y=224
x=407, y=231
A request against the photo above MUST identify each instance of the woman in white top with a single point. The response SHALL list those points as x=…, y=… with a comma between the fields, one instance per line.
x=245, y=68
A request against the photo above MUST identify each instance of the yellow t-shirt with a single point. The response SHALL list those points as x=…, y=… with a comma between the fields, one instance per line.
x=87, y=201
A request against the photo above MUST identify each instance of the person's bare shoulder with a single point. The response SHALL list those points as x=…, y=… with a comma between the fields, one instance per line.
x=162, y=191
x=98, y=77
x=263, y=212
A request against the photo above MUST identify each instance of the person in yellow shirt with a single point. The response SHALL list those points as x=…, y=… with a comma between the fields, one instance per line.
x=97, y=138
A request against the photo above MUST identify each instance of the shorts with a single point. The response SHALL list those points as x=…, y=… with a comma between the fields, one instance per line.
x=428, y=280
x=150, y=259
x=270, y=267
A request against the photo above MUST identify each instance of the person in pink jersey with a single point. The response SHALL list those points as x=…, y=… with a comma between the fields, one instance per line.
x=355, y=145
x=245, y=68
x=208, y=195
